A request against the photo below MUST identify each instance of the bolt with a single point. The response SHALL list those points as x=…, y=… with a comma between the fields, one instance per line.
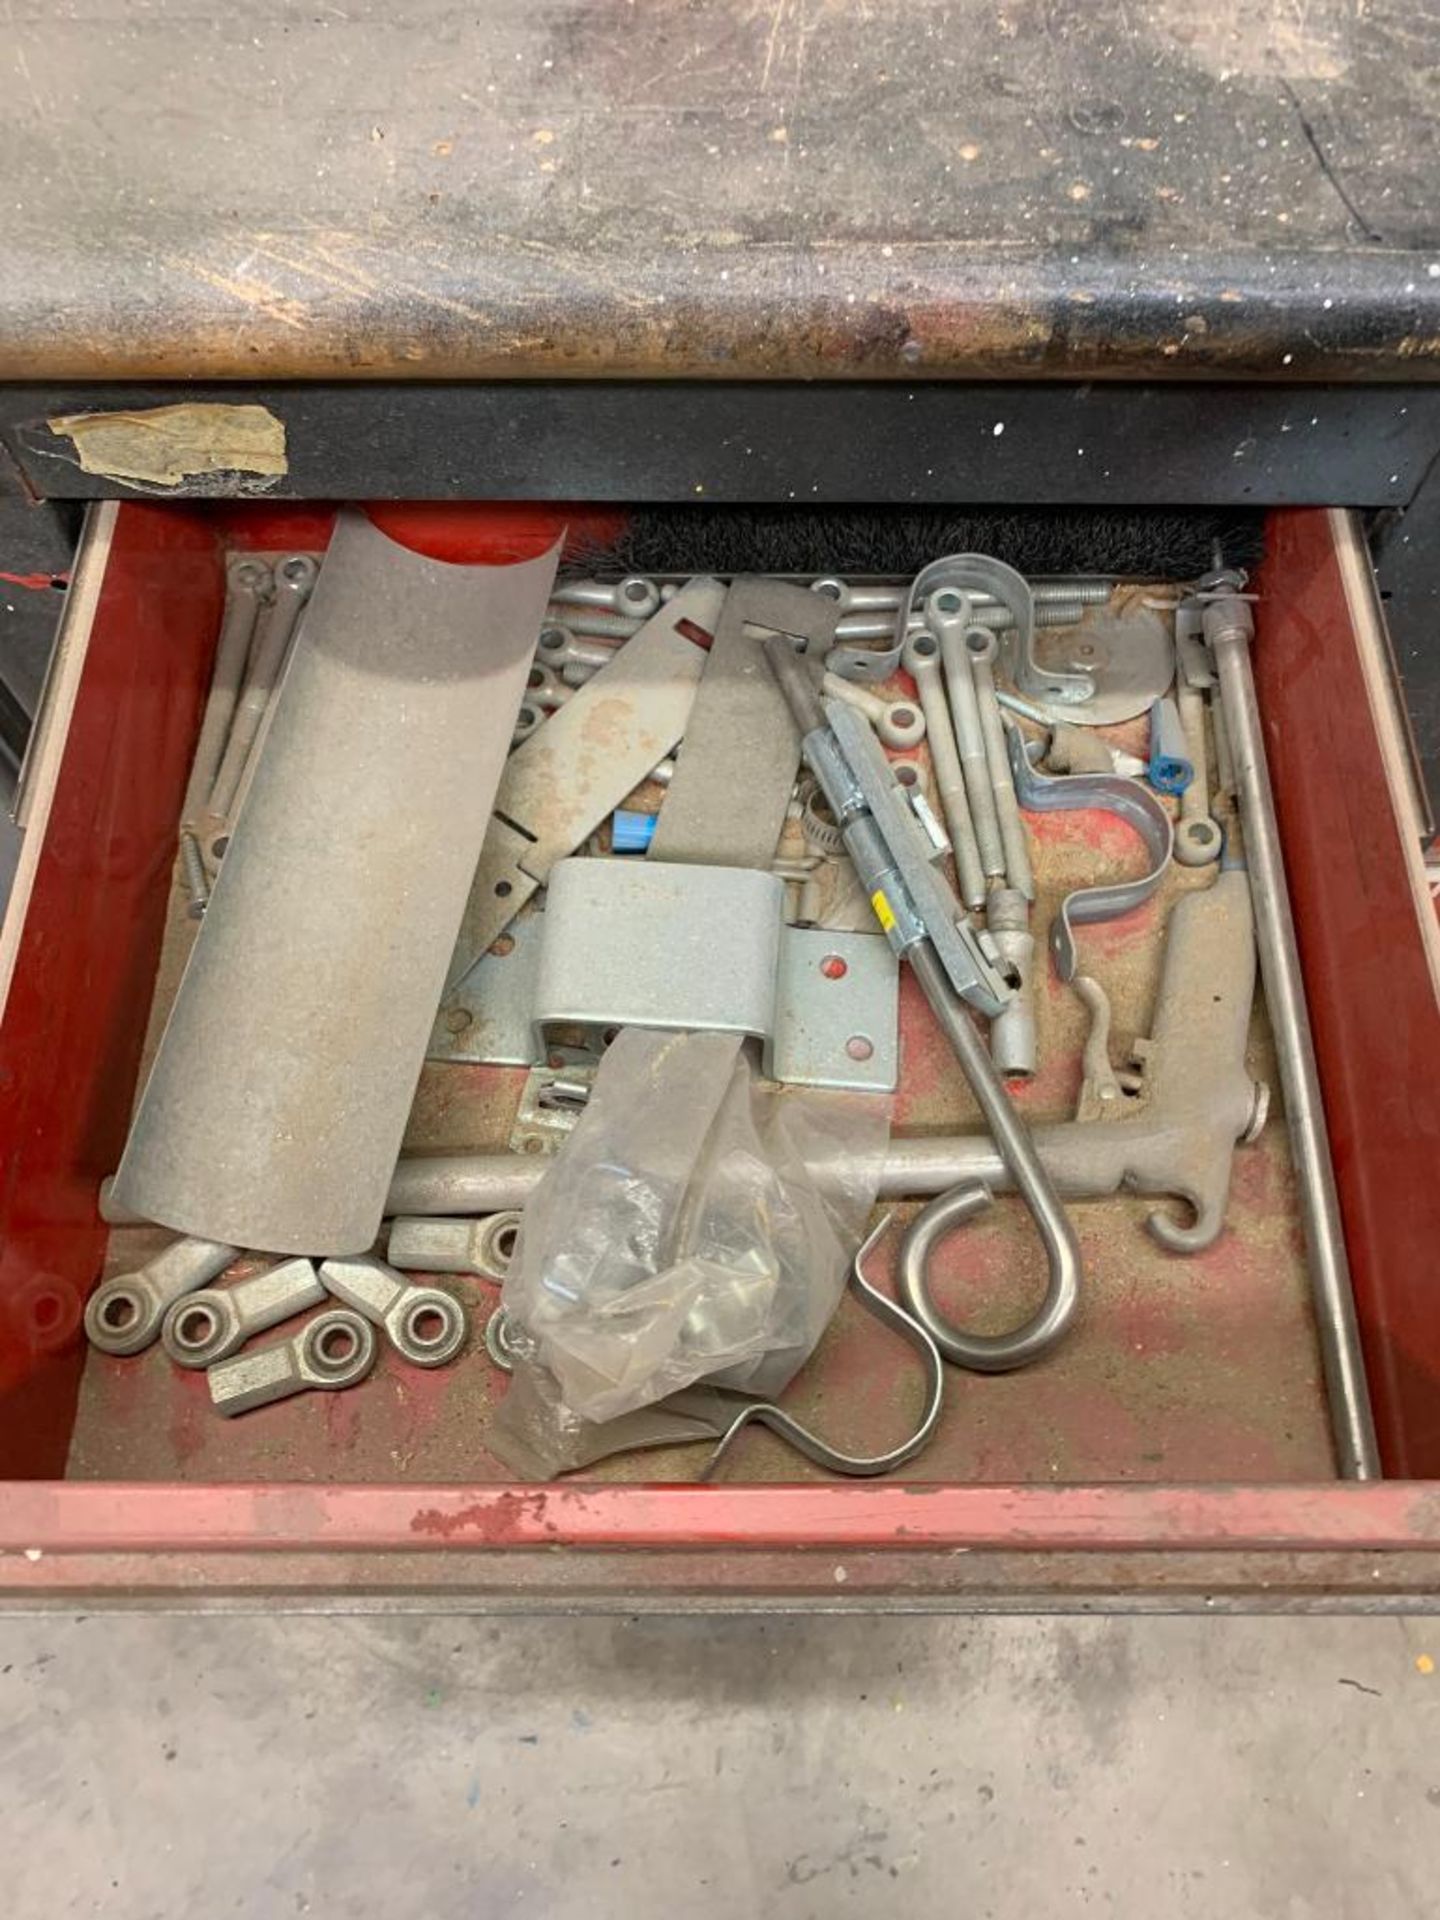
x=197, y=880
x=887, y=599
x=633, y=595
x=594, y=624
x=879, y=626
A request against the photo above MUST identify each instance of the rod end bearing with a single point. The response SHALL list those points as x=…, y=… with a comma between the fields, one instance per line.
x=122, y=1316
x=428, y=1327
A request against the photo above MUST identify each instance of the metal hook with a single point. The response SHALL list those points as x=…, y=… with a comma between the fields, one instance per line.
x=982, y=1353
x=1017, y=1149
x=766, y=1414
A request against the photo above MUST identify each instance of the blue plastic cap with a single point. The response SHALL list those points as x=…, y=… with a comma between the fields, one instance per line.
x=1170, y=769
x=1171, y=776
x=631, y=832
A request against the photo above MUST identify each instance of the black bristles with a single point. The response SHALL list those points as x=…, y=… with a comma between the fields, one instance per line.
x=1143, y=543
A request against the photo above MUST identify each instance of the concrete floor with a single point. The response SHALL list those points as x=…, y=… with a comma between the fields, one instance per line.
x=791, y=1767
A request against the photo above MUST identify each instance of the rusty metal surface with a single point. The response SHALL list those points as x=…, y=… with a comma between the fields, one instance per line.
x=636, y=186
x=65, y=1517
x=1200, y=1369
x=496, y=1581
x=827, y=1549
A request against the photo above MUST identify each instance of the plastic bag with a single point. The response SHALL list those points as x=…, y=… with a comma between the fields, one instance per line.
x=536, y=1436
x=695, y=1226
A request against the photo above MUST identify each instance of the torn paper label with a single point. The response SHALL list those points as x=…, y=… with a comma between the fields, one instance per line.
x=166, y=446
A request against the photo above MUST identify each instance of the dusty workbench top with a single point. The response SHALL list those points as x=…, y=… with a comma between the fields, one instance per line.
x=786, y=188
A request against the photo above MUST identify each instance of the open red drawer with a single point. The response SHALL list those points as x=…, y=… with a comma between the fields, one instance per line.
x=1180, y=1455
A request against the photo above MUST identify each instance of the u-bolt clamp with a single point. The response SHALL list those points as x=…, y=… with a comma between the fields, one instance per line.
x=1115, y=793
x=979, y=576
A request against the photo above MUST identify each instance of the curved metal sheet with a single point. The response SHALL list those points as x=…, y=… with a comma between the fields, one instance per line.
x=276, y=1105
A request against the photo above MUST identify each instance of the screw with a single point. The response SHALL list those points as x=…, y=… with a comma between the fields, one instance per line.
x=197, y=880
x=593, y=623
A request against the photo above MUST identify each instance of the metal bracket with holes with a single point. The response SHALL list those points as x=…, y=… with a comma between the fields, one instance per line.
x=544, y=1122
x=487, y=1016
x=644, y=943
x=627, y=943
x=562, y=782
x=990, y=580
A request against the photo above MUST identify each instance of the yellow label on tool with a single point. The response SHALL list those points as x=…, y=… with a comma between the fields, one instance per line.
x=882, y=910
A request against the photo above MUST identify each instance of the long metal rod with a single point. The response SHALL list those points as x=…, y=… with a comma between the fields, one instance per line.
x=248, y=588
x=1084, y=1161
x=922, y=660
x=1018, y=872
x=969, y=738
x=1357, y=1455
x=293, y=580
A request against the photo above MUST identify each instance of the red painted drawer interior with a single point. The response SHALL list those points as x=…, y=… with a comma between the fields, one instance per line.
x=1183, y=1376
